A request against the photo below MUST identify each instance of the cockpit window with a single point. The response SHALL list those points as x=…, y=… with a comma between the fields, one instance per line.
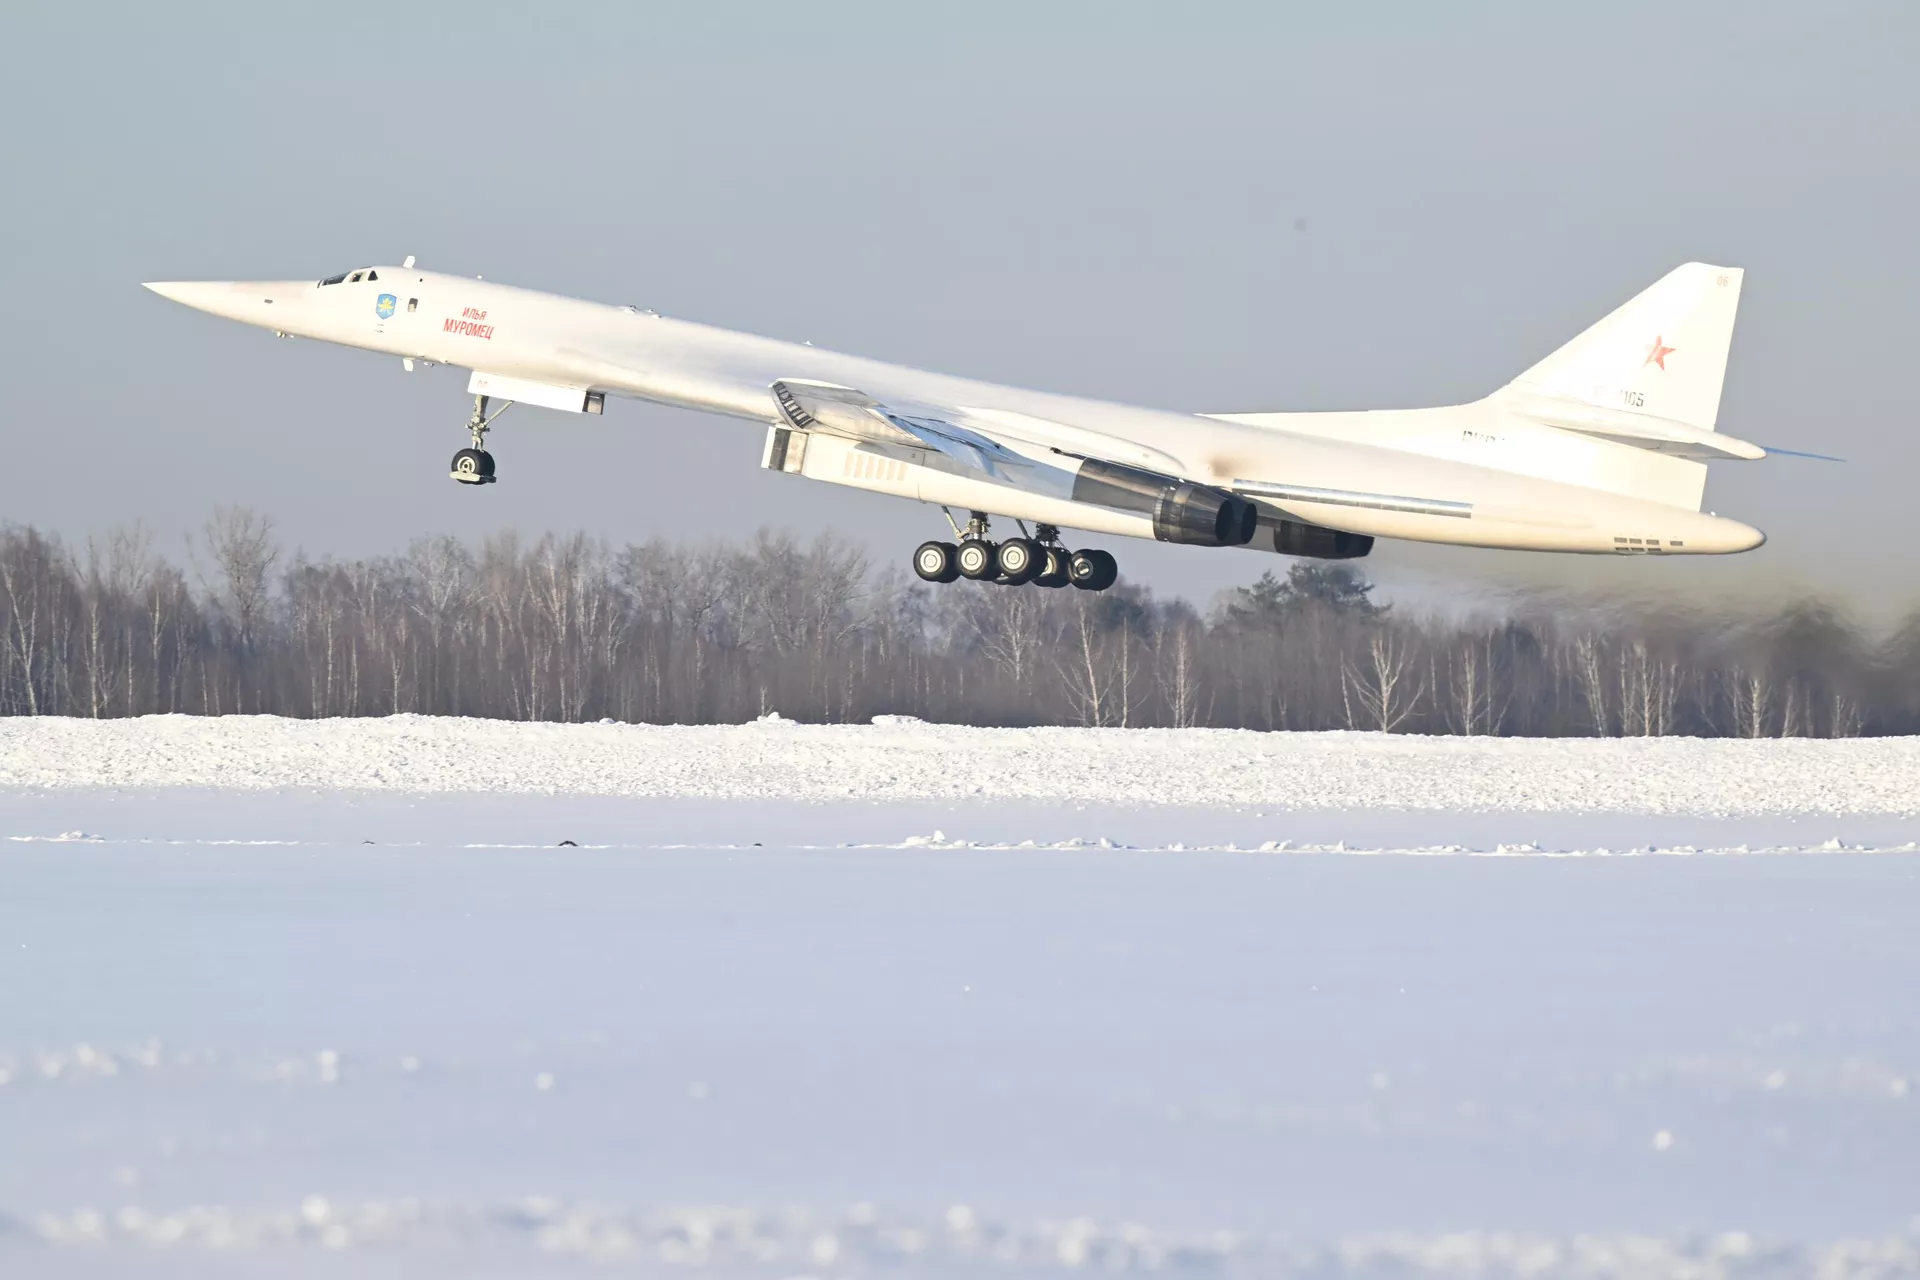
x=372, y=276
x=334, y=279
x=355, y=277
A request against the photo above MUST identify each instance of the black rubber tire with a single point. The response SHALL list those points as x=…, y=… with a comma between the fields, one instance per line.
x=1109, y=569
x=1019, y=561
x=1055, y=572
x=935, y=562
x=976, y=560
x=1093, y=570
x=474, y=462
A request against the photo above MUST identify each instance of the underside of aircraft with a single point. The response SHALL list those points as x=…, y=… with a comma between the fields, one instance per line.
x=1601, y=447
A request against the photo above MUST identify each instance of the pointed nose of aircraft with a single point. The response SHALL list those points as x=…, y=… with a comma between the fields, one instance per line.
x=178, y=290
x=249, y=301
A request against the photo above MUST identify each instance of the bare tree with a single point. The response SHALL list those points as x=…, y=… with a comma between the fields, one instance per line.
x=1589, y=661
x=1648, y=691
x=1014, y=629
x=1750, y=695
x=31, y=581
x=1179, y=671
x=563, y=627
x=1383, y=683
x=1478, y=690
x=240, y=543
x=1084, y=670
x=1844, y=717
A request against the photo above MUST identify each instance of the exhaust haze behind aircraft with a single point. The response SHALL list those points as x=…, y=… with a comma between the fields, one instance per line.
x=1600, y=448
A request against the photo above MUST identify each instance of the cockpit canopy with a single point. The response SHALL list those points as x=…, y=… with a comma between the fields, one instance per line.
x=355, y=277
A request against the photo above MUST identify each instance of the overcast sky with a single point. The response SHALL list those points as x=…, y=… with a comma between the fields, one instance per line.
x=1200, y=207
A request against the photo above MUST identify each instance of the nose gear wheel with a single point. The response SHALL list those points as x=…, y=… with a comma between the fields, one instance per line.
x=474, y=465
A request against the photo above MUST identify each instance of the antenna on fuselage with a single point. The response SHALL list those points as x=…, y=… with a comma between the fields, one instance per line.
x=408, y=264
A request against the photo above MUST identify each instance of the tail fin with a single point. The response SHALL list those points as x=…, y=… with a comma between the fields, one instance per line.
x=1664, y=353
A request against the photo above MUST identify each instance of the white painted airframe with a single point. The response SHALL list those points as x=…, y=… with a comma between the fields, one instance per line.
x=1600, y=448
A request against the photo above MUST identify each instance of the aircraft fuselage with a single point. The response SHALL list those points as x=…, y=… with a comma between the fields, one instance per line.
x=1475, y=475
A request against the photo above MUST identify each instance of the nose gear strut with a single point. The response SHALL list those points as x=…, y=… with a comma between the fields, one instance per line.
x=475, y=465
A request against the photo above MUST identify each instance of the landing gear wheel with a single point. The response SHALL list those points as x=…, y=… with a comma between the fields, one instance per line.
x=1093, y=570
x=976, y=560
x=937, y=562
x=1054, y=572
x=1019, y=561
x=1109, y=570
x=473, y=466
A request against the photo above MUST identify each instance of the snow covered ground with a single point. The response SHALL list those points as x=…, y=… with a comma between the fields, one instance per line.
x=905, y=759
x=334, y=999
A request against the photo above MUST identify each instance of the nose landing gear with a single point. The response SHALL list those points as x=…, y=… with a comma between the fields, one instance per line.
x=475, y=465
x=1040, y=560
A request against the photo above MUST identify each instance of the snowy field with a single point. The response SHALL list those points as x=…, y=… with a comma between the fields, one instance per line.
x=900, y=758
x=903, y=1000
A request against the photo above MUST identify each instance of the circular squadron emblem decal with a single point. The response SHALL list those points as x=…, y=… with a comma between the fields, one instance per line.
x=385, y=305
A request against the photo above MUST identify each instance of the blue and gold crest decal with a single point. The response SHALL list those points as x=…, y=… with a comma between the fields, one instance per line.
x=385, y=304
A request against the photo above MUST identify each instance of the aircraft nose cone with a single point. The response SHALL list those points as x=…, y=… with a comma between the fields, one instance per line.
x=251, y=301
x=217, y=296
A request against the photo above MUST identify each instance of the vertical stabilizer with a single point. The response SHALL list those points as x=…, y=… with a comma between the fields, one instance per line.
x=1663, y=354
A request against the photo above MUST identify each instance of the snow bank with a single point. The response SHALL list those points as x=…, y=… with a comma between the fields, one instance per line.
x=439, y=1237
x=905, y=759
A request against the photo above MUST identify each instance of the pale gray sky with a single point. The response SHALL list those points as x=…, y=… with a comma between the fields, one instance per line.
x=1103, y=198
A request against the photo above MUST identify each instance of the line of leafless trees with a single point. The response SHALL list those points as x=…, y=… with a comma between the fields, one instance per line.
x=568, y=628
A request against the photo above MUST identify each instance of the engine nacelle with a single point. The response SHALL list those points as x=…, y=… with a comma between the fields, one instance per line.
x=1182, y=511
x=1291, y=538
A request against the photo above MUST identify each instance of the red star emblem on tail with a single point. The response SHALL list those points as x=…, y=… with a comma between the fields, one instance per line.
x=1657, y=354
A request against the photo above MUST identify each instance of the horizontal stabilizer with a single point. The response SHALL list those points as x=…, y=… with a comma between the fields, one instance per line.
x=1640, y=430
x=1795, y=453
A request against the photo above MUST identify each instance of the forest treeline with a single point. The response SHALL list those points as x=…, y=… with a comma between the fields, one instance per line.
x=566, y=628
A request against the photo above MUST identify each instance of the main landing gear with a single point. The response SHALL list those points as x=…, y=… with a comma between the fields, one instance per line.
x=475, y=465
x=1040, y=560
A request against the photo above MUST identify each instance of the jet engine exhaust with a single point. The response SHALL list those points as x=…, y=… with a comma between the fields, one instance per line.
x=1291, y=538
x=1182, y=511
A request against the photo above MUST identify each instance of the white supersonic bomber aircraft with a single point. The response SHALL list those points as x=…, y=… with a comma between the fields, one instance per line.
x=1599, y=448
